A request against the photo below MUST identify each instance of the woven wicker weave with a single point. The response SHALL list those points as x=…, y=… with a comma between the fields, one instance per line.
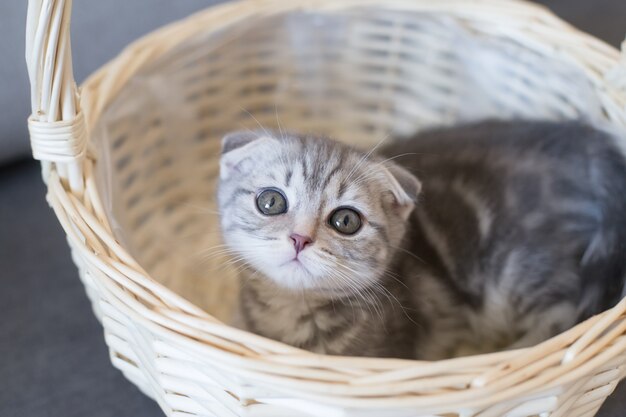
x=131, y=162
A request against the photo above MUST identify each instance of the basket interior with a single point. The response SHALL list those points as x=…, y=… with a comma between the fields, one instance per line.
x=358, y=75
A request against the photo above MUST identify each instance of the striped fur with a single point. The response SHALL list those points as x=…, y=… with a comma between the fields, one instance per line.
x=517, y=235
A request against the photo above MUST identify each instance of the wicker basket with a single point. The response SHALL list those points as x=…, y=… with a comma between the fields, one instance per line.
x=130, y=161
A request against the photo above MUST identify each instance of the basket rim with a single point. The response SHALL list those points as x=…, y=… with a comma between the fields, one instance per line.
x=330, y=379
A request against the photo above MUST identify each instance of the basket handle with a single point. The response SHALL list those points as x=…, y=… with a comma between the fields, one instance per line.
x=57, y=126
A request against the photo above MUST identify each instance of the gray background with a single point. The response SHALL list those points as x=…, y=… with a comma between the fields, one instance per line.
x=53, y=361
x=102, y=28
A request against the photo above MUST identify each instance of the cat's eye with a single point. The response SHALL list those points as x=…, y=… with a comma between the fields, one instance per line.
x=345, y=220
x=271, y=202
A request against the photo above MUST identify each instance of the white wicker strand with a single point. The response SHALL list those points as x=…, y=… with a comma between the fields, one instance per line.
x=616, y=76
x=58, y=133
x=61, y=141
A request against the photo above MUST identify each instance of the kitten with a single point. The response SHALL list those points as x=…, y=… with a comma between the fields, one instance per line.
x=319, y=223
x=518, y=233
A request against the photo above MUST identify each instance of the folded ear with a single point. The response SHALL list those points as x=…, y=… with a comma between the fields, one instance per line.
x=234, y=140
x=241, y=148
x=404, y=187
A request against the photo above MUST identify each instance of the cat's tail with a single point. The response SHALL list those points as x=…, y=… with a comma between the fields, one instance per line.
x=604, y=272
x=604, y=260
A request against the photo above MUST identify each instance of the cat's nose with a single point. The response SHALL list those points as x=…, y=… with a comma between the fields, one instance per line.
x=300, y=242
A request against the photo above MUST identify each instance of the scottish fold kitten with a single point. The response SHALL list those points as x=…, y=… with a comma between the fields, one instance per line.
x=514, y=232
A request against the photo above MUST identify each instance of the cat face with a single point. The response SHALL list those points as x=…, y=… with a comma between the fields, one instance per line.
x=310, y=213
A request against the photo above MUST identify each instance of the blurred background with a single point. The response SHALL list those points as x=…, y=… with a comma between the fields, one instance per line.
x=53, y=361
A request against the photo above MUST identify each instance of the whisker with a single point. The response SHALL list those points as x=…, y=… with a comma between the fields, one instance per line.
x=256, y=120
x=280, y=129
x=373, y=173
x=407, y=252
x=364, y=158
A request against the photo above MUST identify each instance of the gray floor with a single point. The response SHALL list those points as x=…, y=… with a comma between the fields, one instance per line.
x=53, y=361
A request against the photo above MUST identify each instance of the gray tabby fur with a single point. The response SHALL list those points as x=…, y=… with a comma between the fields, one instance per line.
x=517, y=234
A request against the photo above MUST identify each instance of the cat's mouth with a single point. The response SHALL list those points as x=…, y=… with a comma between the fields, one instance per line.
x=296, y=263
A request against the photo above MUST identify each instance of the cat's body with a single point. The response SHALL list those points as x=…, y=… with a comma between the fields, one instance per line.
x=518, y=233
x=522, y=232
x=364, y=324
